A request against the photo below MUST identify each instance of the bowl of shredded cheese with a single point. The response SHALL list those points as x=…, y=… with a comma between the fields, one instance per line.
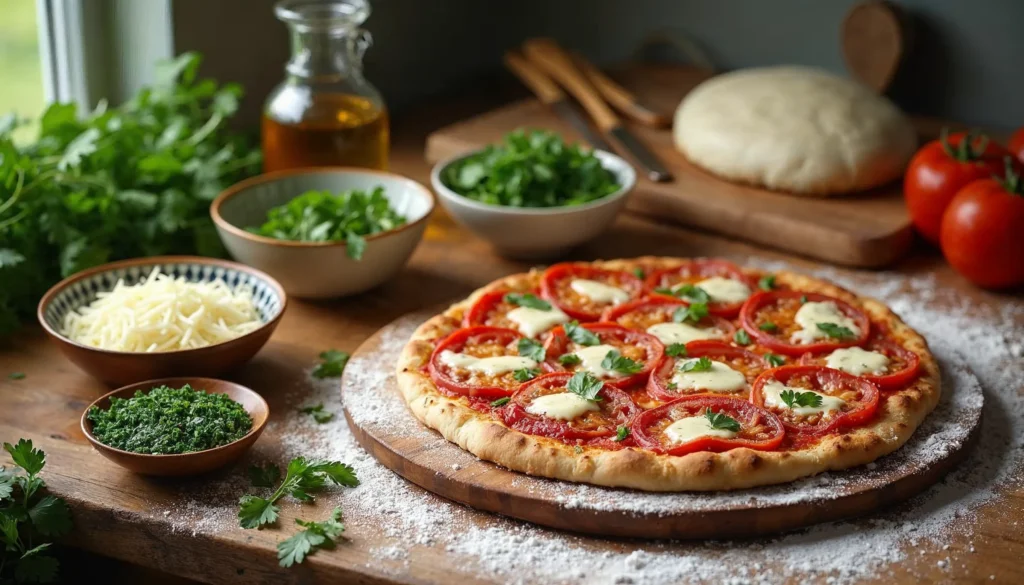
x=163, y=316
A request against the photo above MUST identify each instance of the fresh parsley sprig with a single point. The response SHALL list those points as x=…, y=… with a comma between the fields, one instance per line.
x=722, y=421
x=836, y=331
x=774, y=360
x=585, y=386
x=766, y=282
x=692, y=313
x=701, y=364
x=317, y=535
x=569, y=359
x=530, y=348
x=525, y=374
x=613, y=360
x=527, y=300
x=576, y=332
x=28, y=519
x=332, y=364
x=795, y=399
x=741, y=337
x=676, y=350
x=318, y=413
x=621, y=434
x=301, y=478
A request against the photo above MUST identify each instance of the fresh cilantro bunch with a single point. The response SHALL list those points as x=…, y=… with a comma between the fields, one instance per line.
x=28, y=518
x=115, y=183
x=321, y=216
x=531, y=169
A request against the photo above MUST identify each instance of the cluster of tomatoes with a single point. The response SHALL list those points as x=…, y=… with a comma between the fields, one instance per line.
x=635, y=409
x=965, y=194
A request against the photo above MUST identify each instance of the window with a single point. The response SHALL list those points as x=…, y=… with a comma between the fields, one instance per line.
x=21, y=70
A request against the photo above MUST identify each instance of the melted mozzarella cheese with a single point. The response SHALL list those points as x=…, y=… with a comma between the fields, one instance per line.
x=599, y=292
x=687, y=429
x=532, y=322
x=562, y=406
x=725, y=290
x=813, y=313
x=670, y=333
x=591, y=358
x=491, y=366
x=856, y=361
x=773, y=398
x=720, y=378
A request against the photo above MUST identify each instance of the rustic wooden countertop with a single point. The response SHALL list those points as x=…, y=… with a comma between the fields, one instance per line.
x=107, y=502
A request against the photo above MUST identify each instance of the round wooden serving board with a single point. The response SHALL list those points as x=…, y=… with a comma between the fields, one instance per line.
x=381, y=422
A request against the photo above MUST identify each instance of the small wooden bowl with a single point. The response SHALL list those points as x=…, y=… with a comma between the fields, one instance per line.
x=183, y=464
x=118, y=367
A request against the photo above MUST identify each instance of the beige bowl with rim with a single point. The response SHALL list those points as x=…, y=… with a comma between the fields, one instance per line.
x=318, y=270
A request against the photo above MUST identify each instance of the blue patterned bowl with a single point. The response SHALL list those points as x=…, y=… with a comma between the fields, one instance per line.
x=121, y=368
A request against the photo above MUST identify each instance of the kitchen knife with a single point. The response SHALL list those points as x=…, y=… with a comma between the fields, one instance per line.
x=619, y=97
x=547, y=55
x=551, y=95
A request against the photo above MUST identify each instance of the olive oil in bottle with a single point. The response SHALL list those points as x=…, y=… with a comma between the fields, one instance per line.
x=325, y=113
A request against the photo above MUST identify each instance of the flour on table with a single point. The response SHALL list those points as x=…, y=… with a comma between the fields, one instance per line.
x=508, y=551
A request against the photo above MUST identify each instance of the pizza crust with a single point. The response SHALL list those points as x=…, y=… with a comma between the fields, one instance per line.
x=794, y=129
x=898, y=416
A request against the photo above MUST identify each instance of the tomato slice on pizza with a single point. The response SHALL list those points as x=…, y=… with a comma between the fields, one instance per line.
x=583, y=291
x=707, y=423
x=721, y=285
x=794, y=322
x=484, y=362
x=525, y=312
x=569, y=407
x=670, y=320
x=815, y=400
x=883, y=361
x=703, y=367
x=611, y=353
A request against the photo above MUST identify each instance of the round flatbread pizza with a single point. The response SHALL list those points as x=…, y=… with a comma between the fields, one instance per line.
x=669, y=374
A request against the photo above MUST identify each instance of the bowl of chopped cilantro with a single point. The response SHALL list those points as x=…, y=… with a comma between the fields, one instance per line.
x=175, y=426
x=324, y=232
x=534, y=195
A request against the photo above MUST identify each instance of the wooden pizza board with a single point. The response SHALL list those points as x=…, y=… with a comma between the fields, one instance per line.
x=423, y=457
x=868, y=229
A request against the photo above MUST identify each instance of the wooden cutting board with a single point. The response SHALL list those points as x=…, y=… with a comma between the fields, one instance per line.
x=381, y=422
x=869, y=229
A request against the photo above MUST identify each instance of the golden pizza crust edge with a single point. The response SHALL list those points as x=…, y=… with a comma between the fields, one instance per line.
x=899, y=415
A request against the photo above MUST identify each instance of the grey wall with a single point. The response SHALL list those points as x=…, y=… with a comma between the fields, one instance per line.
x=965, y=64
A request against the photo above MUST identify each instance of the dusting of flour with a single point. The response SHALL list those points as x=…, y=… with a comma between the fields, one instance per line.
x=404, y=518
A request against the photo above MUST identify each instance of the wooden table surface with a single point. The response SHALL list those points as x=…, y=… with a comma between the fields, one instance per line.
x=111, y=507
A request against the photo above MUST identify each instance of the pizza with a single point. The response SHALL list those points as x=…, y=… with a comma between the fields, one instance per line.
x=669, y=374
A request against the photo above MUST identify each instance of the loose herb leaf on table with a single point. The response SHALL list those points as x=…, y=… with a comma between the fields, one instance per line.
x=316, y=535
x=322, y=216
x=301, y=478
x=318, y=413
x=332, y=364
x=531, y=169
x=28, y=518
x=116, y=182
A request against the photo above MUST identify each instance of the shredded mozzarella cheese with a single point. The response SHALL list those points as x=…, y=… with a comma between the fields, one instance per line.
x=164, y=314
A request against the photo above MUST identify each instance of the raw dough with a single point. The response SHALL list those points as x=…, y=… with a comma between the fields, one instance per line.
x=794, y=129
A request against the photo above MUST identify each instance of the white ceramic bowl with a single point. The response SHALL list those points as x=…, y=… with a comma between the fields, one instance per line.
x=318, y=270
x=518, y=232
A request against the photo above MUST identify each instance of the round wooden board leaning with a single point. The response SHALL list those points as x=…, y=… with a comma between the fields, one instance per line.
x=383, y=425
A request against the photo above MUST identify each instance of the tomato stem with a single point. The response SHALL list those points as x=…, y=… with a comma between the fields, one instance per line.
x=1011, y=179
x=970, y=148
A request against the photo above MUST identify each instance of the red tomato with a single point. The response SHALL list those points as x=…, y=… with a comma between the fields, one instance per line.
x=1016, y=145
x=480, y=342
x=983, y=231
x=615, y=409
x=759, y=429
x=901, y=371
x=636, y=345
x=642, y=313
x=556, y=286
x=940, y=169
x=695, y=271
x=779, y=308
x=860, y=396
x=746, y=362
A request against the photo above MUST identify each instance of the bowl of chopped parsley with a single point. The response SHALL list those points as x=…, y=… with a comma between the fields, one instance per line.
x=533, y=195
x=175, y=426
x=324, y=232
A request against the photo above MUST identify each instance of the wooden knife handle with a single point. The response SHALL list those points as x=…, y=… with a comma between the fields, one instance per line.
x=621, y=98
x=547, y=55
x=540, y=84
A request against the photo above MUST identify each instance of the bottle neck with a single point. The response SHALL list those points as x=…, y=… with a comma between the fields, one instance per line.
x=326, y=55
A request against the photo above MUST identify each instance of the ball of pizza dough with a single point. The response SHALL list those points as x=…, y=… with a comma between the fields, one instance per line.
x=794, y=129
